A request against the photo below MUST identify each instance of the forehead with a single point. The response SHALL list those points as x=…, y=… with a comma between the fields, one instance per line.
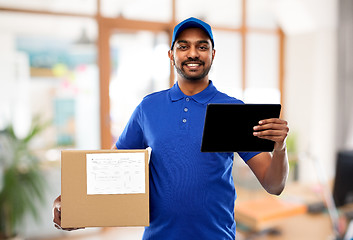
x=193, y=34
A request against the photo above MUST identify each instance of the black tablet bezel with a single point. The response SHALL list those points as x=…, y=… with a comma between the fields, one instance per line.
x=229, y=127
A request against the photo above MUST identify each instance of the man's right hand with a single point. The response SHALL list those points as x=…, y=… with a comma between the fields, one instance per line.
x=57, y=215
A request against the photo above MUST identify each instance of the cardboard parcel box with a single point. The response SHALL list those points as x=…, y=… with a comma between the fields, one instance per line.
x=104, y=188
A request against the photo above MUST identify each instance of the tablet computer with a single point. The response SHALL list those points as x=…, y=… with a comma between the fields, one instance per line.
x=229, y=127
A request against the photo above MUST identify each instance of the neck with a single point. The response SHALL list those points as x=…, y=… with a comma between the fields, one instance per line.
x=190, y=88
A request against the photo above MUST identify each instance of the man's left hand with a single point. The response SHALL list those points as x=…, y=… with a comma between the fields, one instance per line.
x=274, y=129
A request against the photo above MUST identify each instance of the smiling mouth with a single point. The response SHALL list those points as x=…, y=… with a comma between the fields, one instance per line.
x=193, y=64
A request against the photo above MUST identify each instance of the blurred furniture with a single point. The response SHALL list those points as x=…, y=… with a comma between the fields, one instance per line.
x=343, y=187
x=290, y=225
x=261, y=214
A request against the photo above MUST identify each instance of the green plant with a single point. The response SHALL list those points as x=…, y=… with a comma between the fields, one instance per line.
x=292, y=155
x=22, y=182
x=292, y=143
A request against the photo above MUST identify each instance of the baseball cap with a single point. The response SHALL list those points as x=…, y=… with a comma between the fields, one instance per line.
x=191, y=23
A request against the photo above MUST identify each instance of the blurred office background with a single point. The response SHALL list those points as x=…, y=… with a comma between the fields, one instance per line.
x=83, y=65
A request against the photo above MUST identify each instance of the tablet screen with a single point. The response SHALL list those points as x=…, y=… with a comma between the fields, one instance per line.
x=229, y=127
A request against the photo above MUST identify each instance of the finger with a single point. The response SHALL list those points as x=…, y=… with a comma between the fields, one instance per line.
x=280, y=138
x=274, y=135
x=271, y=126
x=273, y=120
x=271, y=132
x=272, y=123
x=66, y=229
x=57, y=216
x=57, y=226
x=274, y=126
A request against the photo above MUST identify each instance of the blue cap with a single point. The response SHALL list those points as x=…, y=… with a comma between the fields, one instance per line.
x=192, y=23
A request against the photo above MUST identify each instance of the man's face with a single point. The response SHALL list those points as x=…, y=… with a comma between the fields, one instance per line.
x=192, y=55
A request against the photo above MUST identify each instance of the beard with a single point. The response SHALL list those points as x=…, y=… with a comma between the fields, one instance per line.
x=192, y=78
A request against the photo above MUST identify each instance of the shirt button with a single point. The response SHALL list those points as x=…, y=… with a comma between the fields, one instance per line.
x=186, y=109
x=184, y=120
x=187, y=99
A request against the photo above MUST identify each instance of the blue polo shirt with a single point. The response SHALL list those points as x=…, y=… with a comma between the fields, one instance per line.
x=192, y=193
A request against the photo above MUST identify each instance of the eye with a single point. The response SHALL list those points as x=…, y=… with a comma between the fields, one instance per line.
x=204, y=48
x=182, y=47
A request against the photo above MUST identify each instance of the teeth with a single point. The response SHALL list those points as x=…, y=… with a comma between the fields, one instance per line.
x=193, y=64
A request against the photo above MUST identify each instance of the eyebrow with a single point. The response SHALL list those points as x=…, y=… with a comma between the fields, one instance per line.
x=198, y=42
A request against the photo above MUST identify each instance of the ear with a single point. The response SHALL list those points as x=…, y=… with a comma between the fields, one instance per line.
x=171, y=57
x=213, y=53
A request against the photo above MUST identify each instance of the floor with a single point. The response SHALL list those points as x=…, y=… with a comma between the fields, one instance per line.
x=125, y=233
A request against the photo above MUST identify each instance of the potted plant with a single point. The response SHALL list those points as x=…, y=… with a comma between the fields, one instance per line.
x=22, y=182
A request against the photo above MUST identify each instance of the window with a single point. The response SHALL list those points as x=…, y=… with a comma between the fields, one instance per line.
x=151, y=10
x=49, y=70
x=92, y=76
x=140, y=66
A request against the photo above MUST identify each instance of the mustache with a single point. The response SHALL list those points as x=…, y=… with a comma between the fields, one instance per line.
x=193, y=60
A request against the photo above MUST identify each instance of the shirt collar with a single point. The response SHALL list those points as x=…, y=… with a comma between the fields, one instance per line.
x=202, y=97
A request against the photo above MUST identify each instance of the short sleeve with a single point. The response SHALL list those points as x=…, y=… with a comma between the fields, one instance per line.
x=132, y=137
x=247, y=155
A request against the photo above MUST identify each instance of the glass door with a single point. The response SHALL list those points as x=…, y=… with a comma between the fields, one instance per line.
x=139, y=66
x=133, y=63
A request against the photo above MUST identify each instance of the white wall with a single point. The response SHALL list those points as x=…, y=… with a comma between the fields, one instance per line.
x=310, y=85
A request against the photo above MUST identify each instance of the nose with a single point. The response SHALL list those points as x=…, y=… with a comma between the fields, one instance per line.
x=193, y=53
